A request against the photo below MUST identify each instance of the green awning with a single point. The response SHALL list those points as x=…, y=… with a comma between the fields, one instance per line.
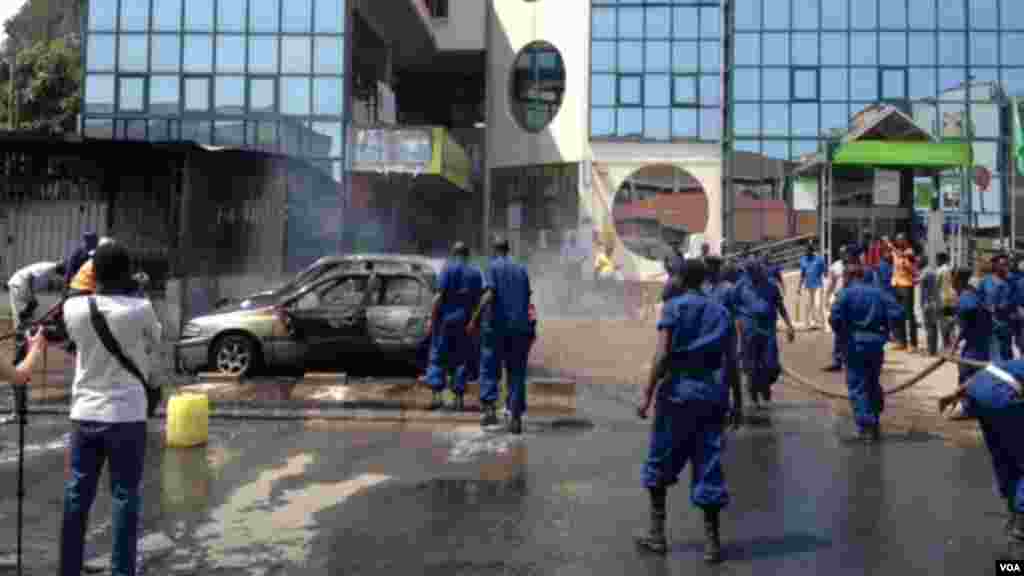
x=904, y=154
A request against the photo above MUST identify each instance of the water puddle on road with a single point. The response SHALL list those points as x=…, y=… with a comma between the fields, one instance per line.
x=469, y=443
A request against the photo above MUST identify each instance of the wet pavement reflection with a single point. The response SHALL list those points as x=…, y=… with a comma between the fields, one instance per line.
x=329, y=497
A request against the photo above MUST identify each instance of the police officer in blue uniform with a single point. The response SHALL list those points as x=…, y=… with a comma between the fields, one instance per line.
x=975, y=338
x=995, y=396
x=451, y=343
x=506, y=337
x=997, y=296
x=692, y=403
x=720, y=286
x=759, y=304
x=865, y=319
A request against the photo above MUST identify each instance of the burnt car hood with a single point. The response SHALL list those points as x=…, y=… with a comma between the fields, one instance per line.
x=250, y=302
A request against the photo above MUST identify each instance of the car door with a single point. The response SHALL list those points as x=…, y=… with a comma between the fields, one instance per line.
x=398, y=322
x=332, y=318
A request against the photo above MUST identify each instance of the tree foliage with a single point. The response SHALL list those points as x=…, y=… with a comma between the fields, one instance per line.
x=48, y=87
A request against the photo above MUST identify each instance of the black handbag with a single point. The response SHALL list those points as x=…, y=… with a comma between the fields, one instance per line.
x=99, y=323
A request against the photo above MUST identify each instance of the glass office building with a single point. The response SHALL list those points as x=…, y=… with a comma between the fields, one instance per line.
x=805, y=70
x=265, y=75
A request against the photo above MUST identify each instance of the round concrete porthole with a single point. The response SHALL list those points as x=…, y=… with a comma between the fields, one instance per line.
x=536, y=86
x=657, y=205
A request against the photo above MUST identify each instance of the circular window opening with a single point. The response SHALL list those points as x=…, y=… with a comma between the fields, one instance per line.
x=657, y=206
x=538, y=83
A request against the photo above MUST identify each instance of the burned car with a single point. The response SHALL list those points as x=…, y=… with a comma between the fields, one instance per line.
x=343, y=315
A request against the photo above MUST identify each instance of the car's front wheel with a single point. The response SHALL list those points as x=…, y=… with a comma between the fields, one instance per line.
x=234, y=354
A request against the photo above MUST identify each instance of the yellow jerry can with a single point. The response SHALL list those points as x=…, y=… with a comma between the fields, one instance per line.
x=188, y=420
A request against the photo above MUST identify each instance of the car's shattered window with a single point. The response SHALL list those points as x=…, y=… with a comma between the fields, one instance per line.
x=402, y=291
x=349, y=292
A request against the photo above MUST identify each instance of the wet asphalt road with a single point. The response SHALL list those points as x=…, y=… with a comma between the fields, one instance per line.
x=302, y=498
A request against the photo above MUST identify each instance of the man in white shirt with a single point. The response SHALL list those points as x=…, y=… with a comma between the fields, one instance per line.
x=108, y=408
x=24, y=285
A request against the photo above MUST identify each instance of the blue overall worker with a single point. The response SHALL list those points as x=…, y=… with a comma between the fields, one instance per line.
x=506, y=337
x=865, y=319
x=995, y=396
x=689, y=417
x=975, y=339
x=997, y=296
x=449, y=315
x=759, y=304
x=720, y=286
x=476, y=290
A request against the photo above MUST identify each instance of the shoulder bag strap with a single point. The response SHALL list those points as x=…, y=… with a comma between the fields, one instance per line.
x=99, y=323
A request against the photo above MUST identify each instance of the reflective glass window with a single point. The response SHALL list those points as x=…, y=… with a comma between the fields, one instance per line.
x=198, y=53
x=656, y=124
x=775, y=119
x=894, y=13
x=197, y=94
x=835, y=14
x=747, y=84
x=602, y=22
x=710, y=56
x=199, y=15
x=710, y=22
x=99, y=93
x=329, y=55
x=295, y=96
x=602, y=90
x=835, y=84
x=776, y=14
x=659, y=23
x=776, y=49
x=748, y=14
x=262, y=95
x=102, y=16
x=328, y=96
x=684, y=57
x=327, y=141
x=922, y=16
x=298, y=16
x=776, y=84
x=952, y=49
x=159, y=131
x=1012, y=15
x=1013, y=49
x=684, y=123
x=984, y=14
x=630, y=92
x=164, y=95
x=231, y=53
x=805, y=14
x=984, y=49
x=805, y=84
x=231, y=15
x=631, y=22
x=894, y=84
x=132, y=94
x=657, y=91
x=951, y=15
x=834, y=49
x=262, y=136
x=602, y=122
x=864, y=83
x=748, y=119
x=133, y=56
x=166, y=52
x=227, y=133
x=197, y=131
x=295, y=54
x=834, y=116
x=748, y=50
x=630, y=122
x=329, y=17
x=658, y=57
x=263, y=54
x=922, y=83
x=602, y=57
x=864, y=49
x=805, y=49
x=985, y=117
x=711, y=124
x=135, y=130
x=710, y=90
x=631, y=57
x=98, y=128
x=922, y=48
x=951, y=77
x=1013, y=80
x=263, y=15
x=100, y=52
x=864, y=15
x=892, y=49
x=229, y=94
x=166, y=15
x=135, y=16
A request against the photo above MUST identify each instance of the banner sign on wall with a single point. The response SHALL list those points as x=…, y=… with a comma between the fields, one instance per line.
x=887, y=188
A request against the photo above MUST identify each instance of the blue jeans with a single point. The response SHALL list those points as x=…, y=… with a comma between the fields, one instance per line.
x=92, y=443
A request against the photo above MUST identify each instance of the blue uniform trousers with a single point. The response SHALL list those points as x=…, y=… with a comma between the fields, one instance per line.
x=498, y=351
x=473, y=362
x=863, y=370
x=761, y=362
x=838, y=349
x=691, y=431
x=448, y=354
x=1001, y=416
x=1002, y=344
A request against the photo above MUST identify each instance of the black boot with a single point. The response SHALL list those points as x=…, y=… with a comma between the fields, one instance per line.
x=654, y=540
x=876, y=434
x=712, y=544
x=490, y=415
x=515, y=425
x=437, y=402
